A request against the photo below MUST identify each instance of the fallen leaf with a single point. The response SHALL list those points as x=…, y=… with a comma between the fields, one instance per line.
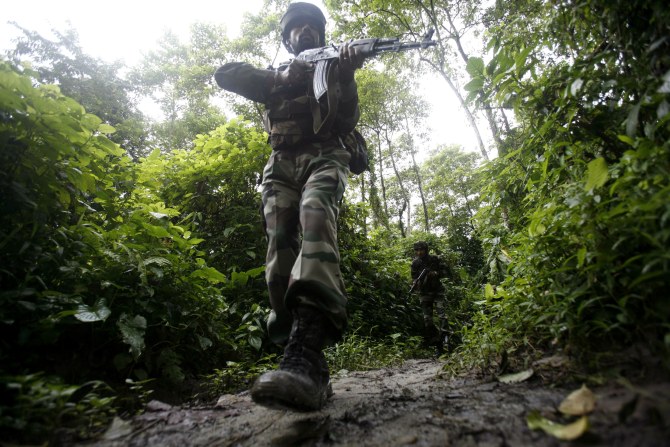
x=118, y=429
x=516, y=377
x=579, y=402
x=566, y=432
x=156, y=405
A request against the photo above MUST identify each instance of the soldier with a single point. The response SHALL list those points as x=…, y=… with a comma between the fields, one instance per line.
x=303, y=184
x=427, y=270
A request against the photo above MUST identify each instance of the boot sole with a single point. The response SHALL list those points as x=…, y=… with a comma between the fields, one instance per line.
x=288, y=391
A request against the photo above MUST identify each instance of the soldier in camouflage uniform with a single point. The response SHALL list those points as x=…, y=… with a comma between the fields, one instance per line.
x=431, y=291
x=303, y=184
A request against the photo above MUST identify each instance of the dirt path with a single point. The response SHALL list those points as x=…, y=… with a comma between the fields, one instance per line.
x=411, y=405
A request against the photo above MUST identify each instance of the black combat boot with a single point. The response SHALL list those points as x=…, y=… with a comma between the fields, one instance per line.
x=302, y=381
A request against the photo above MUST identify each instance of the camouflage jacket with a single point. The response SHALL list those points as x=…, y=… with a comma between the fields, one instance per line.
x=430, y=283
x=288, y=110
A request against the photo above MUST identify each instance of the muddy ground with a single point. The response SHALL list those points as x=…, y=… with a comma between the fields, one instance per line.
x=415, y=404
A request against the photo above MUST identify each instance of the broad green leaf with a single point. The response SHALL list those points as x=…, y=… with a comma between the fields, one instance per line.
x=626, y=139
x=581, y=256
x=90, y=314
x=157, y=260
x=597, y=174
x=156, y=231
x=132, y=332
x=255, y=342
x=488, y=291
x=475, y=66
x=520, y=61
x=63, y=195
x=210, y=274
x=240, y=278
x=91, y=121
x=566, y=432
x=474, y=85
x=204, y=342
x=253, y=273
x=106, y=128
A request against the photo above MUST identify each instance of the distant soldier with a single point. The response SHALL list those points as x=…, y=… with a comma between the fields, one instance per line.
x=427, y=270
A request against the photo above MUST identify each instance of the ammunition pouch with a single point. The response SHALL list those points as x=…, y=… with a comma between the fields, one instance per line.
x=355, y=144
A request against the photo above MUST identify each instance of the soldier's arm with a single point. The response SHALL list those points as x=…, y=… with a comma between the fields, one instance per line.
x=246, y=80
x=348, y=112
x=436, y=267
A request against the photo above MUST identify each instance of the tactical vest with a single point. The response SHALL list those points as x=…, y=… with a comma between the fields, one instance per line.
x=288, y=116
x=289, y=119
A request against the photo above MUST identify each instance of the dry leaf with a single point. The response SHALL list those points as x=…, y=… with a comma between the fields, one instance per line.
x=566, y=432
x=117, y=429
x=516, y=377
x=579, y=402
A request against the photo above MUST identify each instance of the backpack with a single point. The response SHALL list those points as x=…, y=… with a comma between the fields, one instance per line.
x=356, y=145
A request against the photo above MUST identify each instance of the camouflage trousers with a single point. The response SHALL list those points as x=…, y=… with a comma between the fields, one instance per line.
x=302, y=190
x=429, y=302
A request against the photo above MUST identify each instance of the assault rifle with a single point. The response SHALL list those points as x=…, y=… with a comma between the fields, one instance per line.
x=416, y=282
x=324, y=56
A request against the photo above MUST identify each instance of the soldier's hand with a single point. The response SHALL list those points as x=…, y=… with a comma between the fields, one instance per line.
x=295, y=74
x=350, y=61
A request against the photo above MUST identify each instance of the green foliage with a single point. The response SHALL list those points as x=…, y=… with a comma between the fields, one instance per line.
x=179, y=78
x=576, y=223
x=101, y=278
x=357, y=353
x=215, y=183
x=377, y=272
x=238, y=376
x=37, y=407
x=451, y=184
x=94, y=84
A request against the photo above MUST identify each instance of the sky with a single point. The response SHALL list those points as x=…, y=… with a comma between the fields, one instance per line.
x=125, y=30
x=120, y=29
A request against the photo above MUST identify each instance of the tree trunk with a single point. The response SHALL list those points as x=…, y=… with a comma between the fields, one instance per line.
x=405, y=196
x=418, y=180
x=381, y=177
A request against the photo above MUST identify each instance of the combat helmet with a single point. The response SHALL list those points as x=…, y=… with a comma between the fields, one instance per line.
x=302, y=10
x=421, y=245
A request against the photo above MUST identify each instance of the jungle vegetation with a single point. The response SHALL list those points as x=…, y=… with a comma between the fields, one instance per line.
x=132, y=247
